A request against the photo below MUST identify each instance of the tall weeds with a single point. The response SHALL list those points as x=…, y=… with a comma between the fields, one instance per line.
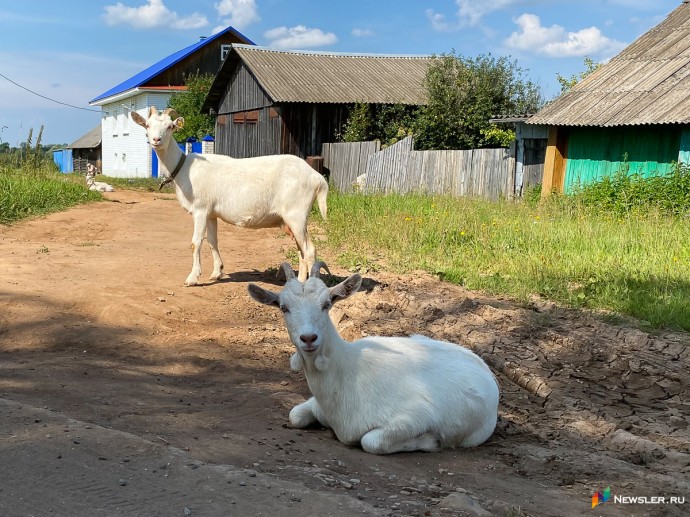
x=30, y=184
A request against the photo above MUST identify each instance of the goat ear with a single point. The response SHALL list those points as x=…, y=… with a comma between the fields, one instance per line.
x=346, y=288
x=262, y=295
x=138, y=119
x=179, y=122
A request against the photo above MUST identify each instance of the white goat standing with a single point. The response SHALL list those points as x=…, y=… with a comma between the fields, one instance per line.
x=261, y=192
x=390, y=394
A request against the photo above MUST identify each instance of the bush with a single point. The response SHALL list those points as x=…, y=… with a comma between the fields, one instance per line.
x=625, y=193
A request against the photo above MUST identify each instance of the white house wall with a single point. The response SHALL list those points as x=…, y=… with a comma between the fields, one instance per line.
x=126, y=152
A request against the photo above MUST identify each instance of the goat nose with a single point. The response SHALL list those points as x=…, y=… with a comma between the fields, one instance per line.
x=308, y=339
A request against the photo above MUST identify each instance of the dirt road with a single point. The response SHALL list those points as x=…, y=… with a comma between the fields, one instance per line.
x=125, y=393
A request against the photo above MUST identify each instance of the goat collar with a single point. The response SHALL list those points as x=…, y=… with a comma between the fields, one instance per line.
x=174, y=172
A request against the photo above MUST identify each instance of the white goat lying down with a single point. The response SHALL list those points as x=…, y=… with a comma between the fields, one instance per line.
x=258, y=192
x=97, y=185
x=390, y=394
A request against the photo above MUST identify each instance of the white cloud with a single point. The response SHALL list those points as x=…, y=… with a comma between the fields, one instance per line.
x=151, y=15
x=299, y=37
x=555, y=41
x=242, y=12
x=362, y=33
x=470, y=13
x=438, y=21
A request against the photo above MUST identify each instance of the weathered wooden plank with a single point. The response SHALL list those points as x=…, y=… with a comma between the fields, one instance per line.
x=398, y=168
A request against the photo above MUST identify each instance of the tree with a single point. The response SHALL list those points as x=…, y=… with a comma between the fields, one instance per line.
x=464, y=93
x=568, y=83
x=385, y=122
x=188, y=104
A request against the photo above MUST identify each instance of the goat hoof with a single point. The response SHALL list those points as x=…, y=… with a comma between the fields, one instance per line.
x=191, y=282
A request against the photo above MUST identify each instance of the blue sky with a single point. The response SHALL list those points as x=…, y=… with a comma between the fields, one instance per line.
x=72, y=51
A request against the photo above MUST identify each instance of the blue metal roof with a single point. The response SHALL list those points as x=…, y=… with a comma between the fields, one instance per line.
x=146, y=75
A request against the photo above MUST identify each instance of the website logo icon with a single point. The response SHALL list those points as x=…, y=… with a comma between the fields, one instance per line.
x=600, y=498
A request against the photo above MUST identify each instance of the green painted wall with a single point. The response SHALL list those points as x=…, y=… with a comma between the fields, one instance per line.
x=684, y=153
x=596, y=152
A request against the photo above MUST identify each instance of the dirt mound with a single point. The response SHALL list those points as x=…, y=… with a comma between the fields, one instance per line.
x=97, y=326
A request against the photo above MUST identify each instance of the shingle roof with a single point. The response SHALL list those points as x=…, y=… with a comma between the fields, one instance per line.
x=328, y=77
x=647, y=83
x=149, y=73
x=90, y=140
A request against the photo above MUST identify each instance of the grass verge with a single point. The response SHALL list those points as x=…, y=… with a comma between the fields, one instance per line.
x=636, y=265
x=28, y=192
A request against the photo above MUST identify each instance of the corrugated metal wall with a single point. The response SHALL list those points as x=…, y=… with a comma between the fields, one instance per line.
x=684, y=152
x=63, y=159
x=594, y=152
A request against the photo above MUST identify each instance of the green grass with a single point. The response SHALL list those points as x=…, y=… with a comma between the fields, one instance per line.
x=27, y=192
x=634, y=265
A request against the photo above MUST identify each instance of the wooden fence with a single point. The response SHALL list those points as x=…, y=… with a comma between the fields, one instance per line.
x=345, y=161
x=477, y=172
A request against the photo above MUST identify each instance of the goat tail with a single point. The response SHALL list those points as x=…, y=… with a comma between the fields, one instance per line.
x=321, y=195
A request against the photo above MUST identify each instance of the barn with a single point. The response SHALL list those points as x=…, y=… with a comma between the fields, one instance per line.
x=269, y=101
x=87, y=150
x=125, y=152
x=630, y=115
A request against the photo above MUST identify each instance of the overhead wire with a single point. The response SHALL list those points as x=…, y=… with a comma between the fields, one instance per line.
x=48, y=98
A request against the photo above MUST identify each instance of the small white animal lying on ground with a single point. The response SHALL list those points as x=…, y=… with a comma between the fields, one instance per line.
x=97, y=185
x=389, y=394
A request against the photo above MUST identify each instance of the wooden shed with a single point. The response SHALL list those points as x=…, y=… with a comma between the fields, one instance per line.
x=269, y=101
x=632, y=114
x=87, y=150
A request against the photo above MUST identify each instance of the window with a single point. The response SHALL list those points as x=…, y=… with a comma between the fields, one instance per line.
x=251, y=117
x=246, y=117
x=224, y=51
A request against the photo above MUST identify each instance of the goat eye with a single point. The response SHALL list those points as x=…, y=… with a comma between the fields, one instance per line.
x=327, y=305
x=284, y=309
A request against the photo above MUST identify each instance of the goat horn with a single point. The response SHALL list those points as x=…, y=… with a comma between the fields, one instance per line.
x=316, y=268
x=171, y=112
x=287, y=269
